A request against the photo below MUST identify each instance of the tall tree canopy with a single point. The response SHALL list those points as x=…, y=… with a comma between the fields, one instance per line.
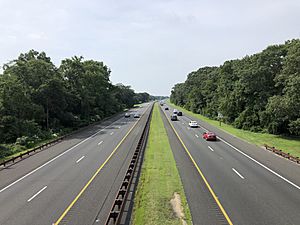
x=258, y=93
x=38, y=98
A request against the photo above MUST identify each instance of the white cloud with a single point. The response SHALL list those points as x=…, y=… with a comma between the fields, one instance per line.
x=149, y=44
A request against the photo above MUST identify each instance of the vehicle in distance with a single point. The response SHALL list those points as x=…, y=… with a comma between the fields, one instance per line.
x=175, y=111
x=193, y=124
x=173, y=117
x=127, y=115
x=166, y=108
x=137, y=115
x=209, y=136
x=179, y=113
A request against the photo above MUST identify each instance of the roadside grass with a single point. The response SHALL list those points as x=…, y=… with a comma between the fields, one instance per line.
x=18, y=152
x=286, y=144
x=159, y=180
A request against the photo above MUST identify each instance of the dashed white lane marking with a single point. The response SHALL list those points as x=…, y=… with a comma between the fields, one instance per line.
x=111, y=133
x=196, y=135
x=210, y=148
x=63, y=153
x=183, y=123
x=36, y=194
x=100, y=142
x=80, y=159
x=119, y=127
x=262, y=165
x=238, y=173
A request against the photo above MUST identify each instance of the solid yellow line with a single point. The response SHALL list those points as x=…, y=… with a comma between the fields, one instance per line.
x=201, y=174
x=93, y=177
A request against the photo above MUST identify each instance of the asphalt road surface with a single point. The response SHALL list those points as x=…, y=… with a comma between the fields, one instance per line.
x=75, y=181
x=252, y=185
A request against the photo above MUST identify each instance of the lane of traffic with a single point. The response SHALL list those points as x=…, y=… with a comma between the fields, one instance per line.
x=60, y=175
x=247, y=195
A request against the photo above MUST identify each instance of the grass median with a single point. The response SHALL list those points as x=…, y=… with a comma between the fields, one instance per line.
x=287, y=144
x=157, y=198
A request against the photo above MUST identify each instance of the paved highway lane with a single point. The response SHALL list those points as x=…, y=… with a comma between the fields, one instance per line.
x=249, y=182
x=42, y=195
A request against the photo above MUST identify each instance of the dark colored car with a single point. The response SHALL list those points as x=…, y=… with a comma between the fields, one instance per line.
x=136, y=115
x=179, y=113
x=173, y=117
x=209, y=136
x=166, y=108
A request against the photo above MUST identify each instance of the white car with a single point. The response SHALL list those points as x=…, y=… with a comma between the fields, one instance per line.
x=193, y=124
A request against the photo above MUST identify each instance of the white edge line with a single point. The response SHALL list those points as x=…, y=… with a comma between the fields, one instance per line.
x=36, y=194
x=61, y=154
x=262, y=165
x=80, y=159
x=211, y=148
x=238, y=173
x=56, y=157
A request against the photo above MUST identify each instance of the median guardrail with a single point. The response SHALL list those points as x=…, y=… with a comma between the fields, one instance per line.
x=283, y=154
x=116, y=212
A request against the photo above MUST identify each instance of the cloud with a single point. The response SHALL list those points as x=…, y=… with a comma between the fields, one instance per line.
x=150, y=45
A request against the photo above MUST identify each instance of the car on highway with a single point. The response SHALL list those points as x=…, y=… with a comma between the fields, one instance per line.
x=209, y=136
x=166, y=108
x=173, y=117
x=127, y=115
x=175, y=111
x=137, y=115
x=193, y=124
x=179, y=113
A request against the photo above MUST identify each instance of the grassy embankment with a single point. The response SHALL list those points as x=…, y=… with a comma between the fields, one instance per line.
x=286, y=144
x=159, y=180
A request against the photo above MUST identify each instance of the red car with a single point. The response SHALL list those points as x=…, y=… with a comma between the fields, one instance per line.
x=209, y=136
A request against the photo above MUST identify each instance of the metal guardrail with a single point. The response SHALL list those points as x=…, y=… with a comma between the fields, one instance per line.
x=115, y=215
x=283, y=154
x=41, y=147
x=48, y=144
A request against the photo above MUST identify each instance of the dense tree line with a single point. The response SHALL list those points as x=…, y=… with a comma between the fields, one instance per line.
x=38, y=99
x=260, y=92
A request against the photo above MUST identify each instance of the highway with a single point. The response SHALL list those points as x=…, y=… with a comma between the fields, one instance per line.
x=74, y=181
x=252, y=185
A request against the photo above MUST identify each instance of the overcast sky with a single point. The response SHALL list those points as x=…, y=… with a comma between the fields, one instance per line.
x=148, y=44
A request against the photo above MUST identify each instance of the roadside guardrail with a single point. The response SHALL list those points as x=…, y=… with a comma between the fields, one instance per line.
x=48, y=144
x=283, y=154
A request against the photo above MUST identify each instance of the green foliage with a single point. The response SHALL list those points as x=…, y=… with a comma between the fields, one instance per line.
x=38, y=99
x=257, y=93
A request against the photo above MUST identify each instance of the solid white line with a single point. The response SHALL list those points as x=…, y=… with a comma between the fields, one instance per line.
x=196, y=135
x=111, y=133
x=262, y=165
x=211, y=148
x=37, y=194
x=80, y=159
x=63, y=153
x=238, y=173
x=100, y=142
